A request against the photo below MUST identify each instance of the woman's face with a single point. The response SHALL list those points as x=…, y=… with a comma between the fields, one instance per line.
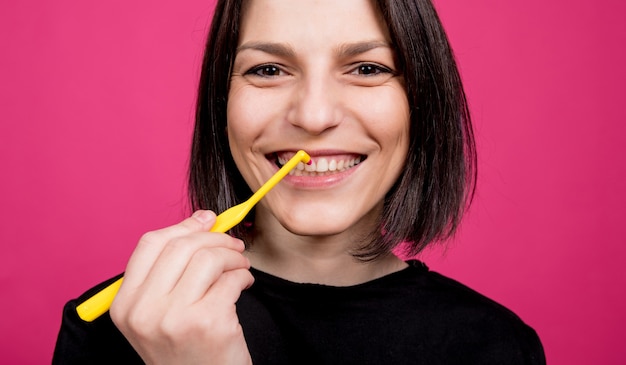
x=318, y=75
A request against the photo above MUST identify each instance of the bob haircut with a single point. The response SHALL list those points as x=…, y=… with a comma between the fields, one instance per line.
x=426, y=203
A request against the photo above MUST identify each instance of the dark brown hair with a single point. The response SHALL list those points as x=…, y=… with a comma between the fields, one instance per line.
x=427, y=202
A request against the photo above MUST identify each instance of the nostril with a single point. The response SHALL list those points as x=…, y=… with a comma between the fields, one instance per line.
x=315, y=110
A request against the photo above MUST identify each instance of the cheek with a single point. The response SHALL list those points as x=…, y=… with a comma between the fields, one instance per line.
x=400, y=119
x=238, y=133
x=388, y=118
x=242, y=121
x=236, y=128
x=248, y=113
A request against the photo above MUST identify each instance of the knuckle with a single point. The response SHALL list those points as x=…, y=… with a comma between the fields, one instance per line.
x=172, y=327
x=206, y=255
x=242, y=275
x=180, y=244
x=116, y=312
x=244, y=278
x=227, y=329
x=130, y=320
x=177, y=243
x=150, y=238
x=249, y=278
x=214, y=326
x=140, y=323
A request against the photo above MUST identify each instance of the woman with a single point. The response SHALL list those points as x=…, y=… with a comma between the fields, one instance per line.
x=370, y=89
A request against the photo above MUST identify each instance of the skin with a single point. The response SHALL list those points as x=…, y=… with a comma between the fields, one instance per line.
x=334, y=91
x=177, y=302
x=301, y=80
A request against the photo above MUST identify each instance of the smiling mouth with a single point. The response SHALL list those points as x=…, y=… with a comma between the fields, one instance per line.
x=321, y=166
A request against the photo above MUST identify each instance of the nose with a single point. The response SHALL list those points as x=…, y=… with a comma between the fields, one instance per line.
x=315, y=105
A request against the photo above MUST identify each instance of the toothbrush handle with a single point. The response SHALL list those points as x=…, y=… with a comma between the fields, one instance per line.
x=98, y=304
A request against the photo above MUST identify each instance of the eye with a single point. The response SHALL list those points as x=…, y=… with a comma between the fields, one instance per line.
x=370, y=69
x=269, y=70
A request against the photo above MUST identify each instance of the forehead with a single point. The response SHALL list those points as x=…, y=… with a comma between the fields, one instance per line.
x=311, y=21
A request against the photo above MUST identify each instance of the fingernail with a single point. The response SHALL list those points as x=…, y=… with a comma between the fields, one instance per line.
x=203, y=216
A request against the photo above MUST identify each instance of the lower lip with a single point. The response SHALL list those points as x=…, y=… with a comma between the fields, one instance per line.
x=320, y=182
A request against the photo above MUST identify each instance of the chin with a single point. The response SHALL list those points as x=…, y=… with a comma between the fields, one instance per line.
x=314, y=232
x=318, y=225
x=323, y=217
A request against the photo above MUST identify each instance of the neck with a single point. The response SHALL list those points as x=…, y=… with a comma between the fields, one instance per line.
x=325, y=260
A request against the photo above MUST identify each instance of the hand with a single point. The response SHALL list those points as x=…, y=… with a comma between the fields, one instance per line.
x=177, y=302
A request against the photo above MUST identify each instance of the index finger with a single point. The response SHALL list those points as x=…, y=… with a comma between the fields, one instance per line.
x=152, y=243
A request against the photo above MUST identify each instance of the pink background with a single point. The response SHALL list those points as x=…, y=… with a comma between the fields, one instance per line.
x=96, y=108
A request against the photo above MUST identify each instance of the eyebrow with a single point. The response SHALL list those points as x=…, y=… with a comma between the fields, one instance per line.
x=277, y=49
x=284, y=50
x=355, y=49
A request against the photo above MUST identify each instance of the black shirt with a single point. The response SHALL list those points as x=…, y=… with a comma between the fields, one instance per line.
x=414, y=316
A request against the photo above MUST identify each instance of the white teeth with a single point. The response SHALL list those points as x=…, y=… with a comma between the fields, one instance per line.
x=310, y=167
x=320, y=167
x=332, y=166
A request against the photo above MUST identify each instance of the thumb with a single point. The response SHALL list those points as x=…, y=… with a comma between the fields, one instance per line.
x=205, y=218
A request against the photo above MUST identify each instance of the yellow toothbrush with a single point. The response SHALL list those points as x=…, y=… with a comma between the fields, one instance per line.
x=98, y=304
